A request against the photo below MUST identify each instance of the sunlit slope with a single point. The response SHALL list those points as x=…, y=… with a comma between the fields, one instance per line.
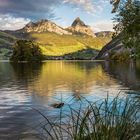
x=57, y=45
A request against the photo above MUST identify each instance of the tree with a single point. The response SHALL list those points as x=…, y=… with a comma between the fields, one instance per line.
x=25, y=50
x=128, y=19
x=115, y=4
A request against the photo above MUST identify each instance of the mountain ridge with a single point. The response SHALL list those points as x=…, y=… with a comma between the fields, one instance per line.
x=58, y=41
x=44, y=26
x=78, y=27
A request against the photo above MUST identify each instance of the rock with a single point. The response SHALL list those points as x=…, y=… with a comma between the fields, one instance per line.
x=77, y=22
x=57, y=105
x=115, y=46
x=44, y=26
x=79, y=27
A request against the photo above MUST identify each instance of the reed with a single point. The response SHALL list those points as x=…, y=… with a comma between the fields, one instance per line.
x=107, y=119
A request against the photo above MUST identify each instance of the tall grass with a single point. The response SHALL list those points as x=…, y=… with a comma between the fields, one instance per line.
x=116, y=119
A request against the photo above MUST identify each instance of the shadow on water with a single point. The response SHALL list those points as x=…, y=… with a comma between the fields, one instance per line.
x=25, y=71
x=126, y=73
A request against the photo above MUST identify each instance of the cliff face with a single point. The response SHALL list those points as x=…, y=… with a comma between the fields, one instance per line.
x=104, y=34
x=44, y=26
x=79, y=27
x=115, y=45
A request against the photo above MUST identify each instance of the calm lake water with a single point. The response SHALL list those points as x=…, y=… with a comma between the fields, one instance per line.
x=26, y=87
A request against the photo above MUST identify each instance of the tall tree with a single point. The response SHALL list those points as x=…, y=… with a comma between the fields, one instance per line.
x=128, y=19
x=117, y=3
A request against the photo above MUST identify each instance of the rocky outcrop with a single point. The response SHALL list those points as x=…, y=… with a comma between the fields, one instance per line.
x=44, y=26
x=104, y=34
x=79, y=27
x=114, y=45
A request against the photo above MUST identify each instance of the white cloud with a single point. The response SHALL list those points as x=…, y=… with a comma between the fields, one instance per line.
x=102, y=26
x=90, y=6
x=8, y=22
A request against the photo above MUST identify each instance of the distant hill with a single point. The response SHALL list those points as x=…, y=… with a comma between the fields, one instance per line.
x=6, y=41
x=55, y=40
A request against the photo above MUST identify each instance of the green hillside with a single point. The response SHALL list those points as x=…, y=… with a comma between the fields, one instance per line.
x=6, y=41
x=52, y=44
x=57, y=45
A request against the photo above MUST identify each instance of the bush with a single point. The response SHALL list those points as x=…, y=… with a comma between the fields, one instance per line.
x=25, y=50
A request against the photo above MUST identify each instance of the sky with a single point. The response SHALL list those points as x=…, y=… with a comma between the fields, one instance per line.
x=15, y=14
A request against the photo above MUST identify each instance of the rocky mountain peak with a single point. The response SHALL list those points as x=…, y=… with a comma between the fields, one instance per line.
x=44, y=25
x=30, y=24
x=79, y=27
x=78, y=22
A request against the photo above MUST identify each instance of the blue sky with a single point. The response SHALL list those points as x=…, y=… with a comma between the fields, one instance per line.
x=15, y=14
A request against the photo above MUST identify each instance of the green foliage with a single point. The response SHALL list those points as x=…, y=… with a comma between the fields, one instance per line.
x=85, y=54
x=115, y=4
x=120, y=56
x=24, y=50
x=128, y=20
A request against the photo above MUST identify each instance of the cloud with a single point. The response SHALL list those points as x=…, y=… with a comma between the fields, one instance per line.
x=14, y=14
x=87, y=5
x=102, y=26
x=8, y=22
x=33, y=9
x=90, y=6
x=37, y=9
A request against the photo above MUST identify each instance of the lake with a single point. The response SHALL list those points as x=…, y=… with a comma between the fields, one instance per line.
x=25, y=88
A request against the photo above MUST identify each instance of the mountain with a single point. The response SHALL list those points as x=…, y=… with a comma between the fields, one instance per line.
x=79, y=27
x=6, y=41
x=104, y=34
x=44, y=26
x=56, y=41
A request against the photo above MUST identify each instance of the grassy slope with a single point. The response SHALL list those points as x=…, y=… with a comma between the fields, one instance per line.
x=58, y=45
x=6, y=41
x=53, y=44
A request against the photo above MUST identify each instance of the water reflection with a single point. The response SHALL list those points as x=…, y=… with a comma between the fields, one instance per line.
x=72, y=78
x=27, y=86
x=127, y=73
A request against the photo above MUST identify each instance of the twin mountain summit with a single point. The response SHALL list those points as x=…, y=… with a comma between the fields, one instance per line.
x=78, y=40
